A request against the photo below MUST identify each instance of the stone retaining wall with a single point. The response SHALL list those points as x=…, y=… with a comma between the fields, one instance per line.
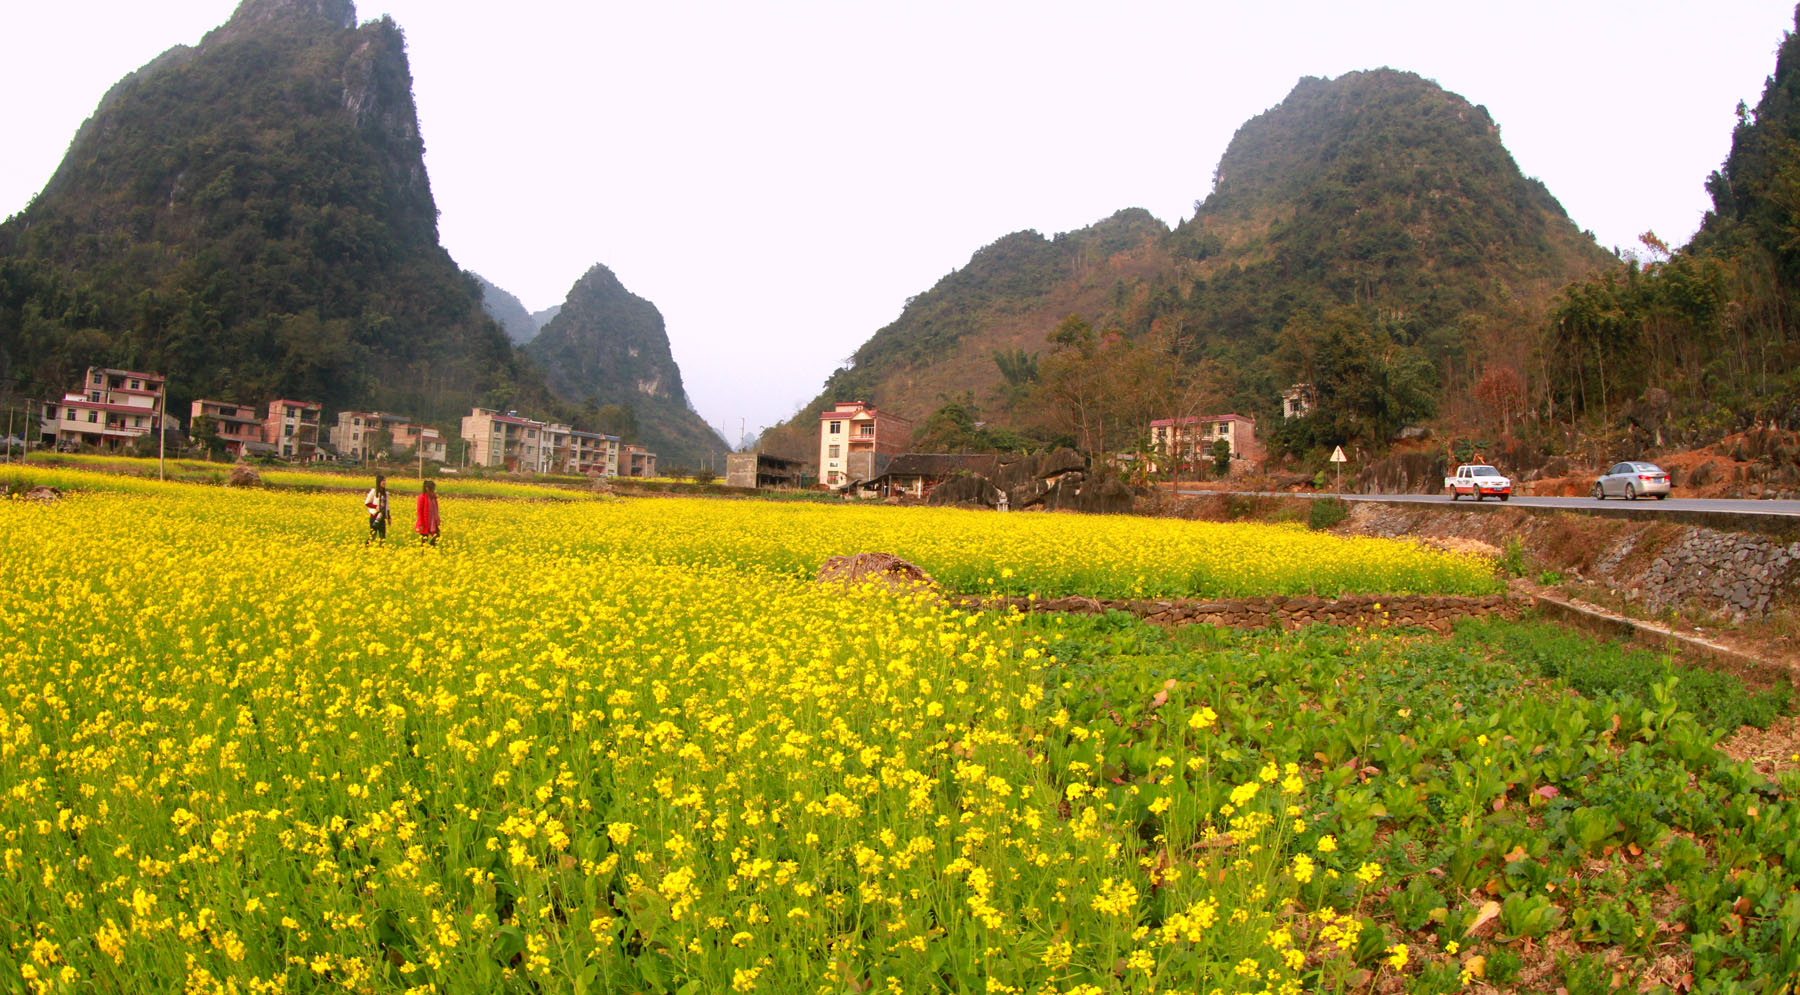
x=1743, y=572
x=1432, y=611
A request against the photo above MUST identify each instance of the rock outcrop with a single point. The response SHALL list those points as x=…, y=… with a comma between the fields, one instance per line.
x=1059, y=480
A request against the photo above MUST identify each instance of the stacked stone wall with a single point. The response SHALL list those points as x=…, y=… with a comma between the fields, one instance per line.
x=1436, y=612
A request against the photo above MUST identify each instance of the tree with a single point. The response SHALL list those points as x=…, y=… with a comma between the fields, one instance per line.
x=1221, y=456
x=950, y=429
x=1105, y=389
x=1501, y=390
x=1018, y=373
x=1365, y=385
x=205, y=432
x=377, y=441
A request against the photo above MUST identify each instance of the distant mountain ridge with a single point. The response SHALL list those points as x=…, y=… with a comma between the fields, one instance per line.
x=521, y=327
x=606, y=345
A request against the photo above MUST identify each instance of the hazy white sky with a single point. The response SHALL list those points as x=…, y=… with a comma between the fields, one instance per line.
x=779, y=177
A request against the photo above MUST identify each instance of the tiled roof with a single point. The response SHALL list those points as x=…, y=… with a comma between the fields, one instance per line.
x=941, y=464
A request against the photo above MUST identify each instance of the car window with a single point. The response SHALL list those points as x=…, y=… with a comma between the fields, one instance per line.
x=1648, y=468
x=1486, y=471
x=1622, y=468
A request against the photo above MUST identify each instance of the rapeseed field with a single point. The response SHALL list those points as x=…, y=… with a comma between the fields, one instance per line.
x=629, y=746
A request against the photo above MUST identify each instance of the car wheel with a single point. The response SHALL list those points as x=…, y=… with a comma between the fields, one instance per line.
x=1599, y=492
x=1662, y=497
x=1452, y=493
x=1477, y=495
x=1630, y=493
x=1506, y=497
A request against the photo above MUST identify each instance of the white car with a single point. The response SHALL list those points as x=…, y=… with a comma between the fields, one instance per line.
x=1478, y=480
x=1632, y=481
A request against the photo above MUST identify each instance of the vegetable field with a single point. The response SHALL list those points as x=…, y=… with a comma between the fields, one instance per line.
x=600, y=745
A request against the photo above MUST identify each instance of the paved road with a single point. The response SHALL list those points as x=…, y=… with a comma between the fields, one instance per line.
x=1733, y=506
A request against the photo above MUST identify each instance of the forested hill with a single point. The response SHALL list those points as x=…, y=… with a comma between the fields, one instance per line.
x=607, y=348
x=252, y=217
x=1375, y=208
x=1691, y=344
x=1008, y=297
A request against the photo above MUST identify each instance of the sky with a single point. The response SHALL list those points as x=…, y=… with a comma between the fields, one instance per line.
x=778, y=178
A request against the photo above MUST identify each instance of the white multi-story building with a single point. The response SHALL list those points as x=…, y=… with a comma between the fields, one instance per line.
x=856, y=442
x=525, y=444
x=112, y=409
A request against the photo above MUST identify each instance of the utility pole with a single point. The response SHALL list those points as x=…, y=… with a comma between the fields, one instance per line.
x=162, y=432
x=9, y=423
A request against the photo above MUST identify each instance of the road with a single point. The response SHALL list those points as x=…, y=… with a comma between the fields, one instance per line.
x=1729, y=506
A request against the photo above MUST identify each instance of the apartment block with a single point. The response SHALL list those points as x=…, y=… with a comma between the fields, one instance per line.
x=292, y=428
x=1190, y=439
x=503, y=440
x=857, y=442
x=112, y=409
x=235, y=425
x=592, y=453
x=636, y=461
x=411, y=436
x=360, y=434
x=530, y=446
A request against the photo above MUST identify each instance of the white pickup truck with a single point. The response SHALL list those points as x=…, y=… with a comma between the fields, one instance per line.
x=1480, y=480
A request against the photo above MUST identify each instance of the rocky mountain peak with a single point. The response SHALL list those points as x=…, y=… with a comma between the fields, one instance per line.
x=258, y=16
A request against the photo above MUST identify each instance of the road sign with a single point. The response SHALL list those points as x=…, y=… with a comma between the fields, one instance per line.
x=1337, y=455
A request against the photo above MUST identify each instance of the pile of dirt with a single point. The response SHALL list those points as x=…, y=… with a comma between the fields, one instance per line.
x=243, y=476
x=42, y=492
x=883, y=568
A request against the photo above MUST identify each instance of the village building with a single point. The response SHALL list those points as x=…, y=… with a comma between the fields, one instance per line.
x=292, y=429
x=366, y=434
x=1297, y=401
x=1189, y=440
x=112, y=409
x=763, y=470
x=420, y=440
x=595, y=454
x=636, y=461
x=916, y=474
x=234, y=425
x=503, y=440
x=526, y=445
x=857, y=442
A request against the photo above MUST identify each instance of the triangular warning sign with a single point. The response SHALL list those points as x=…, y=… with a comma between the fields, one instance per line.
x=1337, y=455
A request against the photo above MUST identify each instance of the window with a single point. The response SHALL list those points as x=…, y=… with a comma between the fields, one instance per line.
x=357, y=422
x=137, y=385
x=93, y=416
x=289, y=431
x=837, y=427
x=867, y=428
x=832, y=452
x=1224, y=428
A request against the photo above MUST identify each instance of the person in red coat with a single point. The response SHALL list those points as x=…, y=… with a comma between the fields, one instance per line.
x=427, y=524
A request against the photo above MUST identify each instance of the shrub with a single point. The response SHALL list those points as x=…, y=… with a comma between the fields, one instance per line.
x=1512, y=559
x=1327, y=513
